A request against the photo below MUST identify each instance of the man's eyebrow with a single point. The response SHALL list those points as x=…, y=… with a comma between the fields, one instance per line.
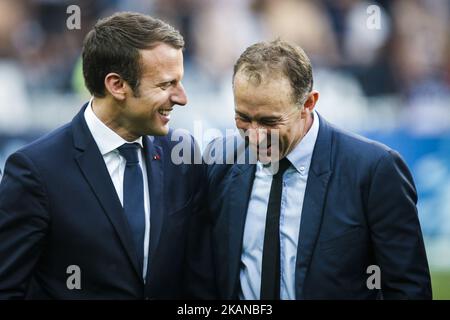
x=270, y=118
x=267, y=118
x=163, y=82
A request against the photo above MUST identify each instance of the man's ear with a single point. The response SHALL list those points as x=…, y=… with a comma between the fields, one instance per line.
x=311, y=101
x=116, y=86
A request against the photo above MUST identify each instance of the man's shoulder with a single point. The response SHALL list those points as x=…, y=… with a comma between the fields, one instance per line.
x=50, y=143
x=223, y=154
x=353, y=146
x=46, y=154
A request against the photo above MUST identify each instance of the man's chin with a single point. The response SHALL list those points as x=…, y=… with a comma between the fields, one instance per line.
x=265, y=156
x=158, y=132
x=264, y=159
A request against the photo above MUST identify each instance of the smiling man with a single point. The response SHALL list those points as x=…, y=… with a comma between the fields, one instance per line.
x=334, y=206
x=97, y=209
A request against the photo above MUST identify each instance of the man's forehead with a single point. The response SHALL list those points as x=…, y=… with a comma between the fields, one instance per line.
x=161, y=59
x=260, y=107
x=273, y=91
x=270, y=85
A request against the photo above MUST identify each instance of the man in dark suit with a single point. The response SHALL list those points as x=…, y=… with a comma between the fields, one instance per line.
x=97, y=209
x=335, y=218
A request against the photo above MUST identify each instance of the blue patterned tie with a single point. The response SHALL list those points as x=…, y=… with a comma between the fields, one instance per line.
x=133, y=196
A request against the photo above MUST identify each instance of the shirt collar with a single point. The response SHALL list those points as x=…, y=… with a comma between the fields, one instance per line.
x=300, y=156
x=107, y=140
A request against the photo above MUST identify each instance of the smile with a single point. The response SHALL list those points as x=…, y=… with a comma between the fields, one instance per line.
x=165, y=112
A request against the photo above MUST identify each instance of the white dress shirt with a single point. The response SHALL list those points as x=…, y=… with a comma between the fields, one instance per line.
x=294, y=186
x=108, y=141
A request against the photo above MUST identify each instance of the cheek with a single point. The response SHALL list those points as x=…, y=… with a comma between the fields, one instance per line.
x=154, y=101
x=285, y=137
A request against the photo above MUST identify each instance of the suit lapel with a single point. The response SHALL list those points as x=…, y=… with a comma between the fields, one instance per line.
x=154, y=162
x=241, y=186
x=94, y=170
x=313, y=204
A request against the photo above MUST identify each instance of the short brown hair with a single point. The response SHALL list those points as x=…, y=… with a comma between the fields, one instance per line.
x=113, y=46
x=263, y=58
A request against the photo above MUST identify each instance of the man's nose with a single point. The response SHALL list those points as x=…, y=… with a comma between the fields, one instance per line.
x=179, y=95
x=257, y=133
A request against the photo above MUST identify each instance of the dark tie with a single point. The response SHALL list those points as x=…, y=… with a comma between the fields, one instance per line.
x=133, y=196
x=270, y=274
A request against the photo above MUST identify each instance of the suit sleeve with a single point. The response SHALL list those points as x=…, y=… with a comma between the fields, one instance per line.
x=395, y=231
x=23, y=224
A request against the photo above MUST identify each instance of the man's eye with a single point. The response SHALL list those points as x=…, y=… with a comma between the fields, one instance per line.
x=241, y=118
x=168, y=84
x=269, y=123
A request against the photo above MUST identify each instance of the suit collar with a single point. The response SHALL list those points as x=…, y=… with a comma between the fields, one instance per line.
x=94, y=170
x=154, y=158
x=300, y=156
x=321, y=161
x=314, y=201
x=241, y=187
x=82, y=138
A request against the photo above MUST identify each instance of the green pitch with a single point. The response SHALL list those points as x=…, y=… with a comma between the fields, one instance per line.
x=441, y=285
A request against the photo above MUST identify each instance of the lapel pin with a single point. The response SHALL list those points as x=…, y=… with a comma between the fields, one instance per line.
x=156, y=157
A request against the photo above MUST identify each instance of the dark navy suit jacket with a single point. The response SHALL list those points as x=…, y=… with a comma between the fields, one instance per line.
x=359, y=210
x=59, y=207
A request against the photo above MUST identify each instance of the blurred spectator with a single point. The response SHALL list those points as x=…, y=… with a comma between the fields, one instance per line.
x=222, y=30
x=303, y=22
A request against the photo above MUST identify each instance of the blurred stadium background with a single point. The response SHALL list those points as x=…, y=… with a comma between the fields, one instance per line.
x=390, y=83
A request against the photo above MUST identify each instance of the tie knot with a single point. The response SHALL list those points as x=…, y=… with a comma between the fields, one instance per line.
x=130, y=152
x=283, y=165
